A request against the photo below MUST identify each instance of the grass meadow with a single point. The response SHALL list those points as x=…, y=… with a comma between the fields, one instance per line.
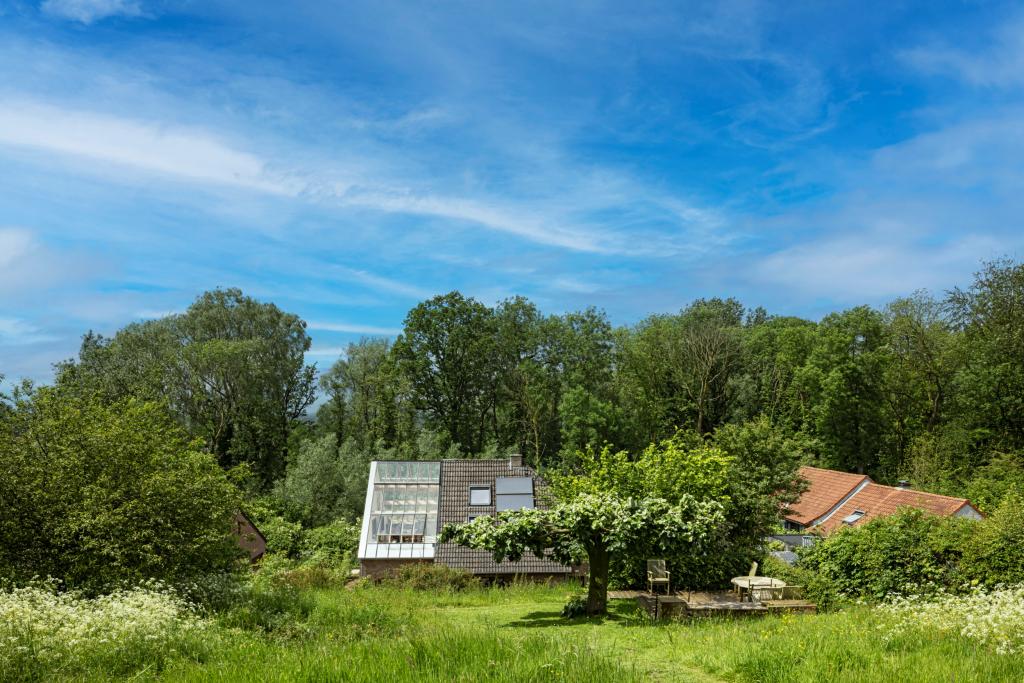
x=380, y=633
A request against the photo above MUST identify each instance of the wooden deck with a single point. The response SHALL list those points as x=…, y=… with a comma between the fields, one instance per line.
x=713, y=603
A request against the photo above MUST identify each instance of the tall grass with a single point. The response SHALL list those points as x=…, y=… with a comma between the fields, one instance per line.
x=44, y=633
x=275, y=631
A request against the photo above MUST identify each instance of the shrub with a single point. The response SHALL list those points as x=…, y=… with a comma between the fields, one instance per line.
x=269, y=602
x=575, y=607
x=45, y=632
x=97, y=495
x=899, y=553
x=283, y=537
x=428, y=576
x=993, y=554
x=817, y=588
x=333, y=544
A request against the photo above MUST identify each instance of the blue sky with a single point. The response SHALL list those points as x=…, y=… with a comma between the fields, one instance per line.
x=347, y=160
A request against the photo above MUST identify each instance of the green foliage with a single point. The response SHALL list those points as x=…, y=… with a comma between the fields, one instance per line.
x=322, y=482
x=749, y=470
x=230, y=369
x=283, y=537
x=97, y=494
x=597, y=526
x=428, y=576
x=447, y=352
x=902, y=553
x=994, y=552
x=992, y=483
x=332, y=544
x=817, y=588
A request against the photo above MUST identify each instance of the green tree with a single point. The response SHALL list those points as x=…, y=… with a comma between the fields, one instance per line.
x=96, y=493
x=447, y=352
x=677, y=370
x=845, y=376
x=230, y=369
x=367, y=399
x=322, y=484
x=990, y=385
x=596, y=526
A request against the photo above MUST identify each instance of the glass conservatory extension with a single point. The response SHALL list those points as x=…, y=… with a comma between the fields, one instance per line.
x=400, y=517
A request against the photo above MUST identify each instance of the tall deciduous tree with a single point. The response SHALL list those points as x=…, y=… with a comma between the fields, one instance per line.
x=231, y=370
x=447, y=352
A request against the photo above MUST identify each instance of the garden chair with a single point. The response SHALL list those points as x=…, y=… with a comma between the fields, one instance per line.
x=657, y=575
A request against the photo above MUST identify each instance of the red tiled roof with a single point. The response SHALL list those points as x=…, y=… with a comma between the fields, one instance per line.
x=876, y=500
x=827, y=489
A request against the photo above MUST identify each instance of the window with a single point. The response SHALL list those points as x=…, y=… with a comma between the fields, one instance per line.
x=851, y=519
x=479, y=495
x=514, y=493
x=470, y=518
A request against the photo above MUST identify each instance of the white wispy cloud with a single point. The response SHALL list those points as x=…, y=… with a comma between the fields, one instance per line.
x=18, y=332
x=88, y=11
x=353, y=328
x=188, y=154
x=998, y=63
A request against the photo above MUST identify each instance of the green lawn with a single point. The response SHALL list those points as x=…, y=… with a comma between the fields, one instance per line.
x=516, y=634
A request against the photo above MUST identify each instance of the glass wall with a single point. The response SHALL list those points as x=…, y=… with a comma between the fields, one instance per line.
x=404, y=513
x=401, y=514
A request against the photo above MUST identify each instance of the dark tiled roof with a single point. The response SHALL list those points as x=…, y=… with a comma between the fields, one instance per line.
x=456, y=478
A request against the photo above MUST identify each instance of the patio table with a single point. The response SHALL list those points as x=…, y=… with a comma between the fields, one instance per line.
x=749, y=583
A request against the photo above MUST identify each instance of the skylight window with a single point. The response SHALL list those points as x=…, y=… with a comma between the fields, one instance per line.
x=479, y=495
x=852, y=519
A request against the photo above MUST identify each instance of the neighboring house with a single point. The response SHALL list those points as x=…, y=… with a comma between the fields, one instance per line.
x=250, y=538
x=834, y=499
x=407, y=504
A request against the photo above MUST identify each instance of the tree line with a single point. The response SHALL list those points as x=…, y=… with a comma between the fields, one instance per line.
x=134, y=460
x=926, y=388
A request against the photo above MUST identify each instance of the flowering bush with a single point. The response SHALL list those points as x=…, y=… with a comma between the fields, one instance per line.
x=994, y=618
x=43, y=630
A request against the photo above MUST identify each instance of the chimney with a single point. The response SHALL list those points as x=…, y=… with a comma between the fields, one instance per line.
x=515, y=460
x=903, y=484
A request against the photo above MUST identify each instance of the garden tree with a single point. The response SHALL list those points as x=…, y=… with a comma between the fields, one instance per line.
x=750, y=469
x=676, y=369
x=447, y=354
x=95, y=494
x=763, y=478
x=990, y=385
x=366, y=397
x=229, y=368
x=845, y=378
x=598, y=527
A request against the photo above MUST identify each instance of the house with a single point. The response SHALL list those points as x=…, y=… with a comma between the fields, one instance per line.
x=407, y=504
x=834, y=499
x=250, y=539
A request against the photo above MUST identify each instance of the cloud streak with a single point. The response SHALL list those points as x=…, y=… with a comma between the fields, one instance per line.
x=89, y=11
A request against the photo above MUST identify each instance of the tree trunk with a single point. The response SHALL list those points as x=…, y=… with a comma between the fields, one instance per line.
x=597, y=590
